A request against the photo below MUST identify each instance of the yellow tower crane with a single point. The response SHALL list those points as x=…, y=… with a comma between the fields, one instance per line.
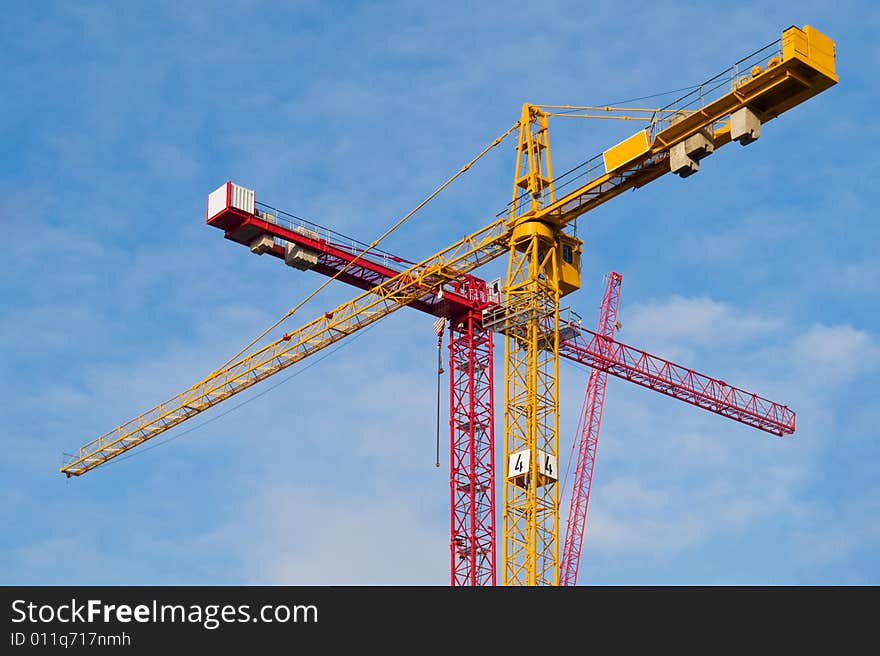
x=543, y=266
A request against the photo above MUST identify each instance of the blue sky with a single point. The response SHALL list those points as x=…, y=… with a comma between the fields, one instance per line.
x=118, y=119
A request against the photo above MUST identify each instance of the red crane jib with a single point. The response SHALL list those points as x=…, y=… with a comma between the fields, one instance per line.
x=617, y=359
x=679, y=382
x=365, y=273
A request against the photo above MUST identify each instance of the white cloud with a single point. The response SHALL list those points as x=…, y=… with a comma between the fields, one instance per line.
x=680, y=325
x=836, y=354
x=298, y=538
x=686, y=505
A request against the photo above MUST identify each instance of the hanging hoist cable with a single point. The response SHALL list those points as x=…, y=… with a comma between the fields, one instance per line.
x=439, y=326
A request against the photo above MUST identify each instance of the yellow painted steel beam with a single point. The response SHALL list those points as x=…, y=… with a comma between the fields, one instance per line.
x=530, y=549
x=804, y=69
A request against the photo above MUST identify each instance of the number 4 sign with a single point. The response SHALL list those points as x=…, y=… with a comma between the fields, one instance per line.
x=518, y=463
x=547, y=465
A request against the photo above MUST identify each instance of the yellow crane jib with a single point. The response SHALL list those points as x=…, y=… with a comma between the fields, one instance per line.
x=463, y=256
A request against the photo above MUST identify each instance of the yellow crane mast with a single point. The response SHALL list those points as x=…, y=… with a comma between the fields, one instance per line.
x=543, y=266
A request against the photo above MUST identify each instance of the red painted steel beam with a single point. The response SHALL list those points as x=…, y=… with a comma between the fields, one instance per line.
x=588, y=432
x=365, y=273
x=688, y=385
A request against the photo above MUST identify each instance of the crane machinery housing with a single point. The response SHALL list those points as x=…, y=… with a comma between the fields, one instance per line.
x=543, y=255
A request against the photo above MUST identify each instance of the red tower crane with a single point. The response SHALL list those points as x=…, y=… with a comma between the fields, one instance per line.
x=466, y=302
x=604, y=355
x=305, y=245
